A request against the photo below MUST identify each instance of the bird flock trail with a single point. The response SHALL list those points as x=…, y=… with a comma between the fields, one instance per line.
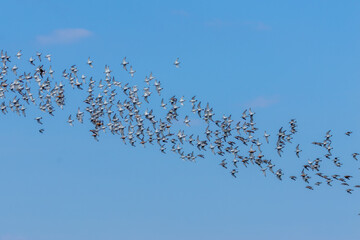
x=127, y=111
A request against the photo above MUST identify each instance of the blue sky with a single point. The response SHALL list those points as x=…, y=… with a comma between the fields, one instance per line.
x=284, y=59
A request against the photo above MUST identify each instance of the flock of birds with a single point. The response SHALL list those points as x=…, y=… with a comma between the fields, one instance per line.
x=125, y=110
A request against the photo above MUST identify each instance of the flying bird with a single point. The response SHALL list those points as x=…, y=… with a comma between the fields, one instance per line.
x=177, y=63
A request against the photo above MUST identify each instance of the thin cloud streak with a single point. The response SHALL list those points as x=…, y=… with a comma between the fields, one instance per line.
x=255, y=25
x=11, y=237
x=180, y=13
x=64, y=36
x=262, y=102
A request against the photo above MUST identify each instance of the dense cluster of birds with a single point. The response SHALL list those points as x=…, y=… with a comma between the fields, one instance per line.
x=125, y=110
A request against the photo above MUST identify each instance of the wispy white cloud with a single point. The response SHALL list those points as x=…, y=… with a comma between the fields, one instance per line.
x=218, y=23
x=262, y=102
x=64, y=36
x=180, y=13
x=255, y=25
x=11, y=237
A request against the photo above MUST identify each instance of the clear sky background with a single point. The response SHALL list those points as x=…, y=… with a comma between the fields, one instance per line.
x=285, y=59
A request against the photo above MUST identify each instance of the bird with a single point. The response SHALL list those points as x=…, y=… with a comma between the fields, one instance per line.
x=70, y=121
x=233, y=172
x=48, y=57
x=264, y=171
x=187, y=121
x=51, y=72
x=151, y=77
x=266, y=137
x=38, y=119
x=131, y=71
x=124, y=63
x=90, y=62
x=38, y=54
x=297, y=151
x=223, y=163
x=177, y=63
x=31, y=60
x=19, y=54
x=14, y=68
